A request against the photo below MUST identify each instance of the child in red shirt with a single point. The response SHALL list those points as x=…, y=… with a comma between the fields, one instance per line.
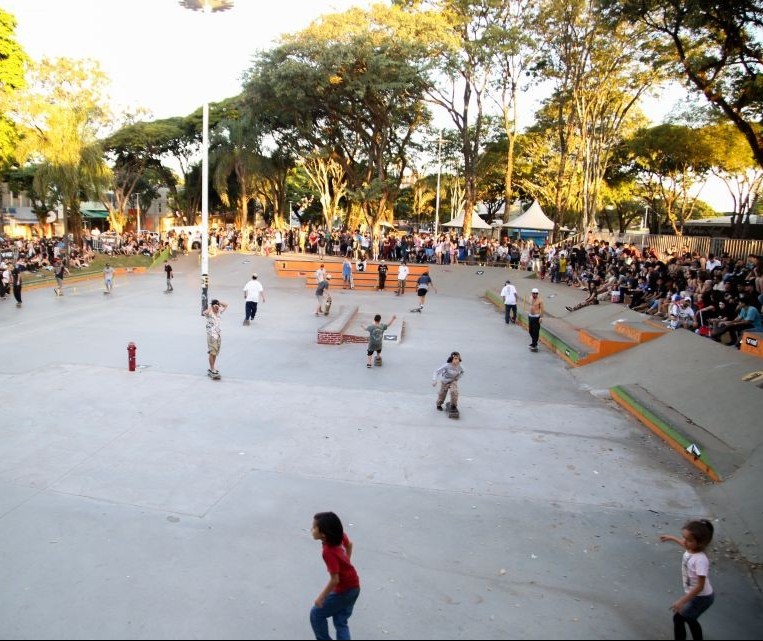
x=338, y=598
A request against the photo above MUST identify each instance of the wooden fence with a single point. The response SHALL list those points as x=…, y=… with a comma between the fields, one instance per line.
x=666, y=244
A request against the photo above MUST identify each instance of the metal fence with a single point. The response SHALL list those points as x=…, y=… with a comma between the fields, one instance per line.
x=666, y=244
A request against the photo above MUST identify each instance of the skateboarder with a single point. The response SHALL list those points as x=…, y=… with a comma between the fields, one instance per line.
x=323, y=286
x=449, y=374
x=534, y=315
x=376, y=338
x=423, y=285
x=212, y=314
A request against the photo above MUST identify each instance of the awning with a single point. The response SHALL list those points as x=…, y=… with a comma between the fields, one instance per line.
x=92, y=214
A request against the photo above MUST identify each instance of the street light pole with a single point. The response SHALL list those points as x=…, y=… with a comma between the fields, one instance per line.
x=437, y=198
x=207, y=6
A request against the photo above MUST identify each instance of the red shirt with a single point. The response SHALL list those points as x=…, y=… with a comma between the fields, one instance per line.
x=337, y=562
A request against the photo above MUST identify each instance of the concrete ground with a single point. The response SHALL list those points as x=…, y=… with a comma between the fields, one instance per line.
x=160, y=504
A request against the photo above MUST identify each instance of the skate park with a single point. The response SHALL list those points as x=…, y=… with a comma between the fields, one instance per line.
x=161, y=504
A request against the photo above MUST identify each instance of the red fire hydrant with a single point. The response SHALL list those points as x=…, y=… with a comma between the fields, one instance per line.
x=131, y=356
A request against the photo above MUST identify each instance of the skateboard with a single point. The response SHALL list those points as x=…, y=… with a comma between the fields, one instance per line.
x=417, y=310
x=378, y=361
x=213, y=376
x=452, y=411
x=328, y=306
x=533, y=349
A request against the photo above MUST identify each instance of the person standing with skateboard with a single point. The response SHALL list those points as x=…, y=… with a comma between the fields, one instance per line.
x=212, y=314
x=376, y=338
x=449, y=374
x=534, y=315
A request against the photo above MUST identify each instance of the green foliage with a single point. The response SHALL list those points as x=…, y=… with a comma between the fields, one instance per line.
x=715, y=45
x=12, y=65
x=352, y=84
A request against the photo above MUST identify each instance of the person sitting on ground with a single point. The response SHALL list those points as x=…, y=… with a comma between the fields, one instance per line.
x=687, y=317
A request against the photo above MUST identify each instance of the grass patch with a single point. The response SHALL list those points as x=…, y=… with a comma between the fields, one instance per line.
x=96, y=267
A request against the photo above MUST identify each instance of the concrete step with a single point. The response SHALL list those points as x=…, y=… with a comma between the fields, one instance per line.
x=716, y=458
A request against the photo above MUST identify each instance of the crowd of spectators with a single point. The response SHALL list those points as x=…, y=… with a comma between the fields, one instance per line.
x=714, y=296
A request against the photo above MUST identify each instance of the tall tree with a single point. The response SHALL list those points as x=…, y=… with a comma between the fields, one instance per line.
x=60, y=117
x=351, y=83
x=12, y=62
x=716, y=47
x=136, y=152
x=236, y=152
x=735, y=165
x=517, y=28
x=328, y=177
x=597, y=63
x=673, y=162
x=472, y=36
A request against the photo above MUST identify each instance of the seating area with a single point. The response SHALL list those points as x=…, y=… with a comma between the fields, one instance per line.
x=752, y=343
x=366, y=280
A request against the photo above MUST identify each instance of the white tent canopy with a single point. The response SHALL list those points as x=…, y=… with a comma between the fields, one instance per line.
x=477, y=222
x=533, y=218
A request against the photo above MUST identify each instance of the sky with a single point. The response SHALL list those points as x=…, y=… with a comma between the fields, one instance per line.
x=169, y=60
x=159, y=55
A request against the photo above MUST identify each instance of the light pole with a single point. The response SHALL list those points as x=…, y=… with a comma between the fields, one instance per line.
x=646, y=216
x=207, y=6
x=437, y=198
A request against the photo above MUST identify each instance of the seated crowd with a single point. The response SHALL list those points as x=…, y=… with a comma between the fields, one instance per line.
x=712, y=296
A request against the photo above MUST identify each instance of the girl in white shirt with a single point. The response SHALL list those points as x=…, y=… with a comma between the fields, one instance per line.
x=695, y=569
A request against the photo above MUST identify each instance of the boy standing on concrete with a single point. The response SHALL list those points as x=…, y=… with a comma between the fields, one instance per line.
x=376, y=338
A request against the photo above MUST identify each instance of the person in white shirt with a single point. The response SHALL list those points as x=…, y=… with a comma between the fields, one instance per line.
x=402, y=274
x=509, y=296
x=253, y=294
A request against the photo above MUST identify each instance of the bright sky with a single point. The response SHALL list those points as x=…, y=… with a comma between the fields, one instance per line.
x=169, y=59
x=158, y=54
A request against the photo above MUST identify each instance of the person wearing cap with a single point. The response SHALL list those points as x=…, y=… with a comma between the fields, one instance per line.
x=534, y=316
x=253, y=294
x=509, y=296
x=382, y=272
x=214, y=338
x=687, y=315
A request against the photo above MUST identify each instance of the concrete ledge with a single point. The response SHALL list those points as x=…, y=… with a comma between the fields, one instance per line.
x=552, y=335
x=752, y=343
x=716, y=459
